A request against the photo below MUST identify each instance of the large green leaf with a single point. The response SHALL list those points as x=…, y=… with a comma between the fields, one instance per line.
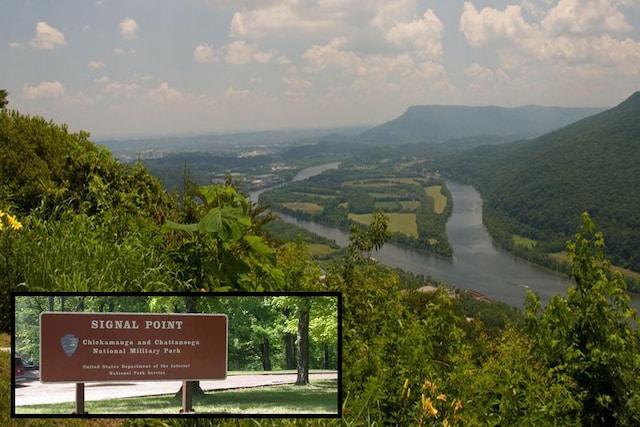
x=174, y=226
x=228, y=223
x=259, y=247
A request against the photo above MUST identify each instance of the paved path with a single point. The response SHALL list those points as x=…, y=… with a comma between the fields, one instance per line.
x=33, y=392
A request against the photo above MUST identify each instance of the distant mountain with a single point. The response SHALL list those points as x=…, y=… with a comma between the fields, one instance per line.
x=474, y=125
x=540, y=187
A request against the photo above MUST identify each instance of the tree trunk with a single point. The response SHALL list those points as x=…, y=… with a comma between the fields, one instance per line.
x=191, y=306
x=303, y=342
x=290, y=350
x=51, y=303
x=325, y=365
x=266, y=355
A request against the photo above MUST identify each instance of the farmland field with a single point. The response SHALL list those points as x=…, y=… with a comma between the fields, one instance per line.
x=410, y=205
x=311, y=208
x=387, y=206
x=404, y=223
x=523, y=241
x=439, y=200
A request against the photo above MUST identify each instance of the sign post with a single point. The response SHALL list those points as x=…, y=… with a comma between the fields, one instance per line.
x=79, y=399
x=105, y=347
x=187, y=397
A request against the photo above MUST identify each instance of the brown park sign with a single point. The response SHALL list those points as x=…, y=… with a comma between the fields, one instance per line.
x=80, y=347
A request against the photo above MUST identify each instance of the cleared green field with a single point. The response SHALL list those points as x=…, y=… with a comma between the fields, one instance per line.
x=311, y=208
x=382, y=182
x=439, y=200
x=524, y=241
x=387, y=206
x=384, y=195
x=410, y=205
x=562, y=257
x=404, y=223
x=319, y=249
x=559, y=256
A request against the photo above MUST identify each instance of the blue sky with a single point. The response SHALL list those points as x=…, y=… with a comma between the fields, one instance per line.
x=154, y=67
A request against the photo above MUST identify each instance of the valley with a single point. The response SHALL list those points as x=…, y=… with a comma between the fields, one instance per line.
x=405, y=180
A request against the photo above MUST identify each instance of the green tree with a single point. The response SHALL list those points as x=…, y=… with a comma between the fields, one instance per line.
x=3, y=99
x=300, y=274
x=590, y=336
x=363, y=240
x=511, y=386
x=43, y=165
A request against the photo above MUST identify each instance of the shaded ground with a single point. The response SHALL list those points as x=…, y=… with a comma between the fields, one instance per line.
x=33, y=392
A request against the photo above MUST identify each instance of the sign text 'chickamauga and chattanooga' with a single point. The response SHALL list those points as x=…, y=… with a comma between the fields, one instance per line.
x=79, y=347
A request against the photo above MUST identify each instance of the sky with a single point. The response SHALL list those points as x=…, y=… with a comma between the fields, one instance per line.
x=126, y=68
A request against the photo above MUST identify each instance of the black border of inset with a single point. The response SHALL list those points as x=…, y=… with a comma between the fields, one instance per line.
x=339, y=401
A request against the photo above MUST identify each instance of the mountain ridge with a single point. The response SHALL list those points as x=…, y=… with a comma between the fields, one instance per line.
x=441, y=123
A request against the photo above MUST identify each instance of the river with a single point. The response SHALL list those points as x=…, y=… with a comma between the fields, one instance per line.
x=477, y=264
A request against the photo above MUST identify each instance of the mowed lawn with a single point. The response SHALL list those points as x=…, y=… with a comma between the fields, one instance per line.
x=311, y=208
x=439, y=200
x=404, y=223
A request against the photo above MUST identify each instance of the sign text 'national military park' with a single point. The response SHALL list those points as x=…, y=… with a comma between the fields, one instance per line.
x=80, y=347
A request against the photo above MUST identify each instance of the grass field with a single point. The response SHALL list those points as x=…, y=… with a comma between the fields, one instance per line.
x=562, y=257
x=411, y=205
x=387, y=206
x=404, y=223
x=320, y=397
x=524, y=241
x=382, y=182
x=311, y=208
x=439, y=200
x=319, y=249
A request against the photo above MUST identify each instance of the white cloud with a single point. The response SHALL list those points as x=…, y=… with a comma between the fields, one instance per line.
x=285, y=17
x=585, y=17
x=204, y=53
x=238, y=52
x=480, y=79
x=571, y=32
x=374, y=73
x=43, y=90
x=296, y=82
x=15, y=45
x=123, y=51
x=47, y=37
x=241, y=52
x=568, y=50
x=424, y=34
x=165, y=93
x=493, y=25
x=119, y=89
x=82, y=99
x=96, y=64
x=128, y=27
x=231, y=92
x=103, y=79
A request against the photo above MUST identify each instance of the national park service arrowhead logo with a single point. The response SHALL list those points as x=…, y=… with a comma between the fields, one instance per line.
x=69, y=344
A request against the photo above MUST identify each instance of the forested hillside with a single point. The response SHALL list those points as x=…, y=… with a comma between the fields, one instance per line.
x=80, y=221
x=537, y=189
